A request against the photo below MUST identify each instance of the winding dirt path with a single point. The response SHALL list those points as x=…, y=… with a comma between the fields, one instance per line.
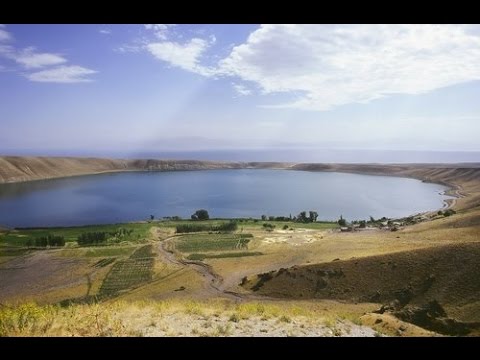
x=213, y=280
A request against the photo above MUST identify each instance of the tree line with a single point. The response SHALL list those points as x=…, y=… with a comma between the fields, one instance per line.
x=48, y=240
x=301, y=218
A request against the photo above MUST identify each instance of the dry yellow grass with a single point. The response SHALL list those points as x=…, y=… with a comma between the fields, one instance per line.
x=185, y=318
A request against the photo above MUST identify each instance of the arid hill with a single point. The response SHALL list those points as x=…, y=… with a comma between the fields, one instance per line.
x=19, y=169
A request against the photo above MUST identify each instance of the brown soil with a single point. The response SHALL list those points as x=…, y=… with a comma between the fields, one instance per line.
x=45, y=277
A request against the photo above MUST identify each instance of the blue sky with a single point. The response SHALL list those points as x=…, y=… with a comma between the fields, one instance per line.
x=132, y=88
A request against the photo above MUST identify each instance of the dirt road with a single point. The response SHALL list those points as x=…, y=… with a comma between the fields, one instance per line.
x=214, y=283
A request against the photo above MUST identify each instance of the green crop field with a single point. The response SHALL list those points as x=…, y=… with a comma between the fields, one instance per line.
x=21, y=236
x=129, y=273
x=212, y=242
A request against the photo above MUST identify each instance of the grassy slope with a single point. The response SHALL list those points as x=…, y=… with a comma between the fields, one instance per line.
x=446, y=273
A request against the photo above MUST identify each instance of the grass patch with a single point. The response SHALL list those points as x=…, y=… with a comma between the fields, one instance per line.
x=212, y=242
x=107, y=251
x=12, y=251
x=197, y=256
x=26, y=319
x=324, y=225
x=143, y=252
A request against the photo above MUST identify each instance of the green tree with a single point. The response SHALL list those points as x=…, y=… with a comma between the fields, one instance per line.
x=201, y=214
x=302, y=217
x=313, y=215
x=342, y=221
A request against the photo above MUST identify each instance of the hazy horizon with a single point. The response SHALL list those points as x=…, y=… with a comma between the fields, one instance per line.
x=278, y=155
x=354, y=93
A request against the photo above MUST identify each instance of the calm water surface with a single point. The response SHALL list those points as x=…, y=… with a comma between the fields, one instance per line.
x=122, y=197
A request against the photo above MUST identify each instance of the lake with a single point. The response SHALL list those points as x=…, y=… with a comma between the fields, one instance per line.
x=132, y=196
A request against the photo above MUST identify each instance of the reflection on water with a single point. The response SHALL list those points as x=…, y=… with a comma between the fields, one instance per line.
x=21, y=189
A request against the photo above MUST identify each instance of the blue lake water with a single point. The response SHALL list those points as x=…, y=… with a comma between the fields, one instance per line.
x=123, y=197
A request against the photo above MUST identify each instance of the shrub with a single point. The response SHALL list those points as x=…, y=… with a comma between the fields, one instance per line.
x=92, y=238
x=188, y=228
x=449, y=212
x=269, y=226
x=227, y=227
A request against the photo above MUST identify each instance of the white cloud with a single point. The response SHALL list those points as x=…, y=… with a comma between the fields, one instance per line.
x=32, y=60
x=62, y=74
x=331, y=65
x=185, y=56
x=127, y=48
x=29, y=59
x=6, y=50
x=160, y=30
x=105, y=31
x=4, y=35
x=241, y=90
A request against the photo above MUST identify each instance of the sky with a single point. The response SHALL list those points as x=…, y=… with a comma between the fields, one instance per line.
x=131, y=89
